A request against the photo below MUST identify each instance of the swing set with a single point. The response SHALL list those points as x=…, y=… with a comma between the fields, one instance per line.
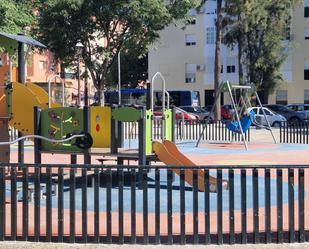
x=241, y=119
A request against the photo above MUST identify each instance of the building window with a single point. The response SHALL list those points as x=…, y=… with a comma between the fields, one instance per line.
x=190, y=73
x=30, y=60
x=306, y=74
x=306, y=69
x=209, y=67
x=221, y=70
x=282, y=97
x=306, y=8
x=306, y=96
x=191, y=21
x=306, y=33
x=230, y=69
x=42, y=65
x=210, y=35
x=306, y=11
x=190, y=40
x=231, y=64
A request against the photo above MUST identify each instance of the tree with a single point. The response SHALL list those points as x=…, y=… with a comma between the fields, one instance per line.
x=217, y=73
x=105, y=28
x=133, y=68
x=259, y=29
x=16, y=16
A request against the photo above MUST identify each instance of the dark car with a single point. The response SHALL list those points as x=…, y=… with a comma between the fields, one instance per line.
x=180, y=114
x=196, y=110
x=290, y=115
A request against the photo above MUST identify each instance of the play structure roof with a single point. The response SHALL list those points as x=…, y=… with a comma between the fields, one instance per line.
x=10, y=42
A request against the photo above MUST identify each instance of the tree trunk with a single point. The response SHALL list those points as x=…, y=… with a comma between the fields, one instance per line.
x=218, y=60
x=240, y=51
x=265, y=94
x=101, y=99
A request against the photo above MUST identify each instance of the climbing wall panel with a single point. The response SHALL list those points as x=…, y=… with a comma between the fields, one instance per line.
x=60, y=123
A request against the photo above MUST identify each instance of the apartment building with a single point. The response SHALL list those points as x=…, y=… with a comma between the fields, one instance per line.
x=185, y=56
x=40, y=67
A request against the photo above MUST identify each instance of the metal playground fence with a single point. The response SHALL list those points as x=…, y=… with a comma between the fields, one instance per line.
x=153, y=204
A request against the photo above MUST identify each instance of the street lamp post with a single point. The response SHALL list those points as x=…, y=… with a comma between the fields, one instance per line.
x=79, y=47
x=86, y=88
x=119, y=80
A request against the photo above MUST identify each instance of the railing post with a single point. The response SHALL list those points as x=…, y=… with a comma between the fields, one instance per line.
x=169, y=207
x=72, y=205
x=243, y=206
x=291, y=205
x=133, y=206
x=231, y=206
x=279, y=207
x=157, y=206
x=301, y=205
x=206, y=206
x=2, y=203
x=145, y=206
x=219, y=206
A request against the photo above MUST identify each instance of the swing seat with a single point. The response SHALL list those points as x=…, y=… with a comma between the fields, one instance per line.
x=245, y=123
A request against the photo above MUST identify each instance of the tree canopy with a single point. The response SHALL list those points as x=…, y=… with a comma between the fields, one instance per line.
x=16, y=16
x=260, y=30
x=104, y=28
x=133, y=68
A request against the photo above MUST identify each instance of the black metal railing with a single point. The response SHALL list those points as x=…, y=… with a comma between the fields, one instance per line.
x=151, y=204
x=294, y=132
x=190, y=130
x=214, y=131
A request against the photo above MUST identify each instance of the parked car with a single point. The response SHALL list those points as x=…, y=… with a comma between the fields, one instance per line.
x=179, y=115
x=290, y=115
x=230, y=109
x=225, y=113
x=299, y=108
x=273, y=118
x=196, y=110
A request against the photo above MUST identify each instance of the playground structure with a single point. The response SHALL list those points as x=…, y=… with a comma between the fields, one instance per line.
x=241, y=120
x=12, y=43
x=56, y=128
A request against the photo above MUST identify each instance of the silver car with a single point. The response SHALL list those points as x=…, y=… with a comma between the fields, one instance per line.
x=273, y=118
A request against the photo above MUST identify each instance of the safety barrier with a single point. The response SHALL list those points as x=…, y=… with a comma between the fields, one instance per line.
x=294, y=132
x=190, y=130
x=129, y=204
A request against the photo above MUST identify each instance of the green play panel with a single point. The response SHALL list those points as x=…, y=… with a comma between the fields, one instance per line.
x=148, y=132
x=60, y=123
x=168, y=114
x=126, y=114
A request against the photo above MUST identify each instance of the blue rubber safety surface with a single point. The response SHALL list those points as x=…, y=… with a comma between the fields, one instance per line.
x=163, y=195
x=188, y=147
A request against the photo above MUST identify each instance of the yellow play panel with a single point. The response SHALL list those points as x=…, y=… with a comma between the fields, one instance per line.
x=24, y=97
x=23, y=101
x=41, y=94
x=100, y=126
